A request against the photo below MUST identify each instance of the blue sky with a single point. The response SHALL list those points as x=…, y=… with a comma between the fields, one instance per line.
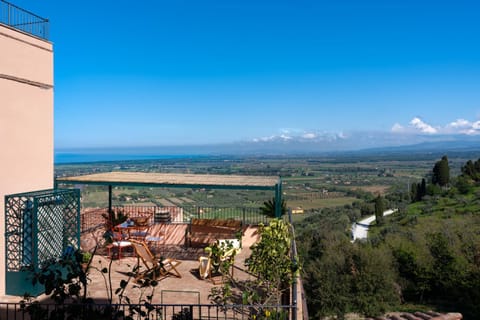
x=173, y=72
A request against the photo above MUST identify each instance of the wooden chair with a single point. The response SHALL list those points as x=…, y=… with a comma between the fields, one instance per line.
x=154, y=267
x=140, y=227
x=120, y=243
x=138, y=233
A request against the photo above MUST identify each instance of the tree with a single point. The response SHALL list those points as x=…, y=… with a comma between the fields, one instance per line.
x=472, y=170
x=441, y=172
x=379, y=209
x=464, y=184
x=348, y=278
x=422, y=191
x=366, y=209
x=418, y=191
x=271, y=263
x=268, y=208
x=414, y=192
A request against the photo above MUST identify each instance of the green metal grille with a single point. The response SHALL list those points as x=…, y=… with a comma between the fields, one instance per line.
x=40, y=226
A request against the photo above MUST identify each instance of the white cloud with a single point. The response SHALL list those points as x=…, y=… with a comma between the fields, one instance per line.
x=285, y=137
x=424, y=127
x=303, y=136
x=459, y=126
x=416, y=126
x=309, y=135
x=264, y=139
x=460, y=123
x=342, y=135
x=397, y=127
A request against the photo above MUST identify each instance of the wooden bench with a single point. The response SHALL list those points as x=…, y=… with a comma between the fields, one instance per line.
x=202, y=232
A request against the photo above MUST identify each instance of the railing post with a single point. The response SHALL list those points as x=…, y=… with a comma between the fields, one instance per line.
x=295, y=263
x=8, y=13
x=46, y=29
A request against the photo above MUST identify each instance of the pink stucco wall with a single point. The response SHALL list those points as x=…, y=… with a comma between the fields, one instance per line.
x=26, y=120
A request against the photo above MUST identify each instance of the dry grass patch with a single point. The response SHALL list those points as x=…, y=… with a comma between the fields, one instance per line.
x=378, y=189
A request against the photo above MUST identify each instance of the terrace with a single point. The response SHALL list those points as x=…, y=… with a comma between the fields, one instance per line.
x=173, y=294
x=23, y=20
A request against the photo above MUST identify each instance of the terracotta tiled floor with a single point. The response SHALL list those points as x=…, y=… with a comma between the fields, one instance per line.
x=189, y=289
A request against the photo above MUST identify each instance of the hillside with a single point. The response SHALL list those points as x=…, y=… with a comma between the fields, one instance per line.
x=426, y=256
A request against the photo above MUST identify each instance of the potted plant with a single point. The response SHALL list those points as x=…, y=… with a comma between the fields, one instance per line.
x=221, y=255
x=86, y=257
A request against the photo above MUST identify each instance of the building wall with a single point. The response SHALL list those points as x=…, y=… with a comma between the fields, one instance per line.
x=26, y=120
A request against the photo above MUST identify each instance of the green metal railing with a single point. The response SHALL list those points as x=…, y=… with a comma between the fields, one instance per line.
x=154, y=311
x=92, y=219
x=23, y=20
x=248, y=216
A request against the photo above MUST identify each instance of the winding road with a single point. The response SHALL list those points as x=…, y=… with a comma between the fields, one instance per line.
x=360, y=228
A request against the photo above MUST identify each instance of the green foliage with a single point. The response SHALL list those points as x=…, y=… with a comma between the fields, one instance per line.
x=86, y=257
x=113, y=218
x=269, y=206
x=63, y=278
x=349, y=278
x=418, y=191
x=414, y=192
x=65, y=281
x=471, y=170
x=441, y=172
x=379, y=209
x=429, y=253
x=270, y=259
x=367, y=209
x=218, y=253
x=437, y=258
x=274, y=272
x=464, y=185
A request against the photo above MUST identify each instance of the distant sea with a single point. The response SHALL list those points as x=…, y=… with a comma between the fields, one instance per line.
x=67, y=157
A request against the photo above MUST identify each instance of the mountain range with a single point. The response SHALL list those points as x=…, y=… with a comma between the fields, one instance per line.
x=354, y=144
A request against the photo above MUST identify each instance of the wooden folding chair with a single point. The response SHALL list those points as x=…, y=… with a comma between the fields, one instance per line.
x=169, y=266
x=154, y=268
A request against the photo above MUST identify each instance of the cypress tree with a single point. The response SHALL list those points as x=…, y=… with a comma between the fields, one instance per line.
x=379, y=208
x=441, y=172
x=468, y=169
x=413, y=192
x=423, y=189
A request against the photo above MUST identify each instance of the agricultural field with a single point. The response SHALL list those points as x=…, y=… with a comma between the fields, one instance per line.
x=321, y=203
x=308, y=182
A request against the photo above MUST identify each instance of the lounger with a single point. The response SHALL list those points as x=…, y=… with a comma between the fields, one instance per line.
x=154, y=267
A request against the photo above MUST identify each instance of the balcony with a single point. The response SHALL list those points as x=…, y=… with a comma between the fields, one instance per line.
x=23, y=20
x=187, y=297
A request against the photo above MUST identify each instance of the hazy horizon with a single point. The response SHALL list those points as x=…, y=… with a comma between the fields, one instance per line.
x=281, y=148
